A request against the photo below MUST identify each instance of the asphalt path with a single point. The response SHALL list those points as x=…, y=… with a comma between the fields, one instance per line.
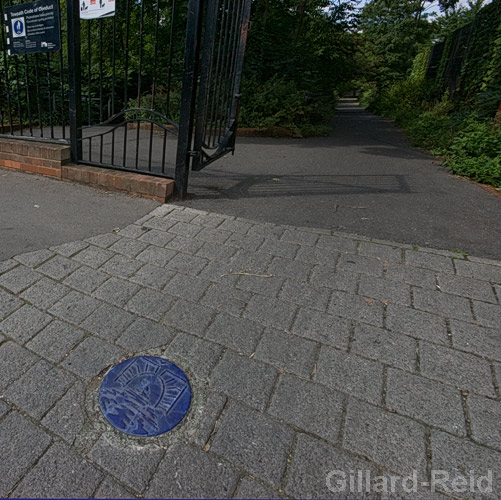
x=365, y=178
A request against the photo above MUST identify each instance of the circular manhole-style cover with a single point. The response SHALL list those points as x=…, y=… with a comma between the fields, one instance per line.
x=145, y=396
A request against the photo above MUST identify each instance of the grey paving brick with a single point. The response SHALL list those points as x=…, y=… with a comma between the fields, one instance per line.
x=121, y=266
x=337, y=243
x=485, y=415
x=292, y=269
x=487, y=314
x=189, y=317
x=91, y=357
x=466, y=287
x=153, y=276
x=69, y=249
x=93, y=256
x=249, y=242
x=184, y=229
x=33, y=259
x=58, y=267
x=318, y=256
x=145, y=334
x=352, y=263
x=313, y=462
x=479, y=271
x=111, y=489
x=133, y=231
x=459, y=369
x=86, y=279
x=287, y=352
x=24, y=323
x=67, y=417
x=179, y=476
x=150, y=303
x=252, y=489
x=45, y=293
x=116, y=291
x=444, y=304
x=55, y=340
x=333, y=279
x=355, y=307
x=187, y=287
x=268, y=230
x=156, y=255
x=417, y=324
x=182, y=214
x=59, y=473
x=226, y=298
x=7, y=265
x=8, y=303
x=39, y=388
x=187, y=264
x=262, y=284
x=235, y=226
x=212, y=235
x=458, y=456
x=385, y=290
x=18, y=454
x=250, y=262
x=104, y=240
x=108, y=322
x=128, y=247
x=305, y=295
x=185, y=245
x=497, y=372
x=245, y=379
x=384, y=252
x=14, y=361
x=254, y=442
x=408, y=491
x=159, y=223
x=199, y=430
x=215, y=251
x=132, y=465
x=208, y=220
x=432, y=402
x=219, y=272
x=382, y=345
x=155, y=237
x=350, y=373
x=300, y=237
x=429, y=261
x=74, y=307
x=309, y=406
x=270, y=312
x=400, y=442
x=19, y=278
x=411, y=275
x=239, y=334
x=280, y=248
x=322, y=327
x=476, y=339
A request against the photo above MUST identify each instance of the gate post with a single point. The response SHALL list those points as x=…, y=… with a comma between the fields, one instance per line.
x=74, y=79
x=188, y=97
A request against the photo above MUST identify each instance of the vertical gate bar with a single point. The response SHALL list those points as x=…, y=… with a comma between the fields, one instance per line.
x=39, y=105
x=100, y=71
x=139, y=79
x=74, y=78
x=126, y=79
x=113, y=69
x=28, y=103
x=171, y=57
x=207, y=64
x=7, y=79
x=49, y=97
x=18, y=93
x=188, y=96
x=89, y=75
x=61, y=76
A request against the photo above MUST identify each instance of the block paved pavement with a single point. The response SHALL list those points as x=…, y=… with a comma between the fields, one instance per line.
x=308, y=351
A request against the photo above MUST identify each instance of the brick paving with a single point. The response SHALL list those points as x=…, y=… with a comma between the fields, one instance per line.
x=308, y=351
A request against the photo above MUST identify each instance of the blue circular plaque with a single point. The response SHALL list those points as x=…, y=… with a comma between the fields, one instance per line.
x=145, y=396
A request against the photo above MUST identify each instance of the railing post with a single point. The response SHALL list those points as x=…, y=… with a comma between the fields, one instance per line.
x=188, y=97
x=74, y=78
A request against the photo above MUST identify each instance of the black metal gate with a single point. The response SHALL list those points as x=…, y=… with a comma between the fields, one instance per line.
x=153, y=89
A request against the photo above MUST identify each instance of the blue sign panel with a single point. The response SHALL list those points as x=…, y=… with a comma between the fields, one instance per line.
x=145, y=396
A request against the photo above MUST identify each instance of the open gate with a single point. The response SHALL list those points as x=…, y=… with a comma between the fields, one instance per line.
x=152, y=89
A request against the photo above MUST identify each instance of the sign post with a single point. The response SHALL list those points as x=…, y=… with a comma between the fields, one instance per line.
x=33, y=27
